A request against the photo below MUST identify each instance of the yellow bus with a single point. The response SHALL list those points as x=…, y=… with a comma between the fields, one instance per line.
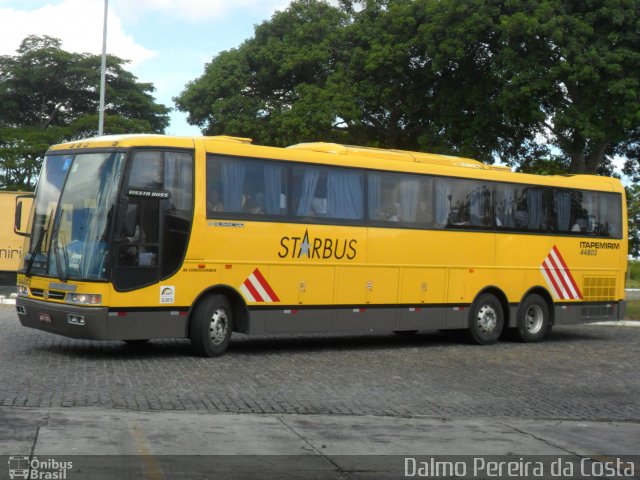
x=10, y=242
x=145, y=236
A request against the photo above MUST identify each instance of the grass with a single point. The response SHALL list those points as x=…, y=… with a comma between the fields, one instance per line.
x=633, y=310
x=633, y=280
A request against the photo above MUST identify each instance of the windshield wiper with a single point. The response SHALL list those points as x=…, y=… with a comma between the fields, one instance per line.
x=58, y=263
x=64, y=252
x=27, y=273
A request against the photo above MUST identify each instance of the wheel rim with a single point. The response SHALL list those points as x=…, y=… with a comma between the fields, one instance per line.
x=534, y=319
x=487, y=319
x=218, y=326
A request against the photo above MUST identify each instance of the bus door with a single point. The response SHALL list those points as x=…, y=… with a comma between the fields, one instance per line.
x=156, y=210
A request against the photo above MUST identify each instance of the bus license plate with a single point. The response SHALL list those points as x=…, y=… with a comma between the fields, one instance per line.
x=44, y=317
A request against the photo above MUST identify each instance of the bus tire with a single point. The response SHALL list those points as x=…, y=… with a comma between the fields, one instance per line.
x=486, y=320
x=534, y=321
x=211, y=326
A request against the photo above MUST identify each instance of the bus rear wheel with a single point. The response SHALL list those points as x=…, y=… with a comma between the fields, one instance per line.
x=486, y=320
x=534, y=322
x=211, y=326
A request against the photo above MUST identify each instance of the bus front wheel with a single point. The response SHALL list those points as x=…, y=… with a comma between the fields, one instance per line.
x=486, y=320
x=211, y=326
x=533, y=319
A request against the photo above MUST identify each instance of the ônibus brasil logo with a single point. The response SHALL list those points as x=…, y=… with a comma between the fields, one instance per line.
x=50, y=469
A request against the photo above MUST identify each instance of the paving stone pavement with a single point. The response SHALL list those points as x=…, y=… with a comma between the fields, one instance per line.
x=581, y=372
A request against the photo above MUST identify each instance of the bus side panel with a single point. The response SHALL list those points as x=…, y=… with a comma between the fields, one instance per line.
x=300, y=286
x=10, y=243
x=519, y=258
x=367, y=285
x=422, y=286
x=578, y=273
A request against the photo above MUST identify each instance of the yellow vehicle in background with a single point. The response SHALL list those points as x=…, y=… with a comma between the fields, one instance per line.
x=146, y=236
x=10, y=242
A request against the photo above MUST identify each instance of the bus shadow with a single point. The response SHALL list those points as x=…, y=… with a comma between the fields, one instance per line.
x=245, y=345
x=116, y=350
x=366, y=341
x=333, y=342
x=279, y=344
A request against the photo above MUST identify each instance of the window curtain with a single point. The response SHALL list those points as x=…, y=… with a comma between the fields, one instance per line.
x=562, y=203
x=478, y=207
x=375, y=196
x=590, y=202
x=344, y=194
x=177, y=179
x=609, y=214
x=508, y=219
x=409, y=200
x=273, y=188
x=308, y=190
x=232, y=185
x=534, y=207
x=443, y=198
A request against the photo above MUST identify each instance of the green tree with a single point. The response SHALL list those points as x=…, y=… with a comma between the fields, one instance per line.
x=585, y=74
x=566, y=71
x=483, y=78
x=48, y=95
x=272, y=87
x=633, y=213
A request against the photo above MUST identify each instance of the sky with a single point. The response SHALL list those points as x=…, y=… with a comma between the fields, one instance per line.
x=168, y=42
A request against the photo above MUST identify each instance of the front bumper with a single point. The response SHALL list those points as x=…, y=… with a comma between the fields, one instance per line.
x=58, y=318
x=99, y=323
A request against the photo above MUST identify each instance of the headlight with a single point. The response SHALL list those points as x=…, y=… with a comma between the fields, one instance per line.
x=84, y=298
x=22, y=290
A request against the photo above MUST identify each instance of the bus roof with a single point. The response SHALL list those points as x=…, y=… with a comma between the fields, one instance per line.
x=392, y=154
x=350, y=155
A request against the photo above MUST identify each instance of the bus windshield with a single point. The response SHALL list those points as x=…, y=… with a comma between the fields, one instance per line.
x=72, y=216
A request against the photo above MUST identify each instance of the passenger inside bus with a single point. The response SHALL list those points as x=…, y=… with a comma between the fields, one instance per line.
x=214, y=204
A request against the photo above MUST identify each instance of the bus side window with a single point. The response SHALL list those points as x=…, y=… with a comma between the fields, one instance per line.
x=443, y=197
x=245, y=186
x=530, y=208
x=505, y=206
x=470, y=203
x=610, y=215
x=400, y=198
x=336, y=193
x=214, y=203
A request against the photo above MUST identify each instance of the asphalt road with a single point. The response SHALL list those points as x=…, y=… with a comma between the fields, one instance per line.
x=323, y=406
x=581, y=372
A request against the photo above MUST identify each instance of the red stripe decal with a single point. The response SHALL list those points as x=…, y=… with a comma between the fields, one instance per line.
x=568, y=272
x=561, y=275
x=254, y=292
x=554, y=285
x=266, y=285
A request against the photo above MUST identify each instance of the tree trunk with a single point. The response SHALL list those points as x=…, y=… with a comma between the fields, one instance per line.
x=596, y=158
x=582, y=163
x=577, y=163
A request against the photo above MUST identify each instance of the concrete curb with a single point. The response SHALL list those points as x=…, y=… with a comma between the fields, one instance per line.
x=8, y=301
x=619, y=323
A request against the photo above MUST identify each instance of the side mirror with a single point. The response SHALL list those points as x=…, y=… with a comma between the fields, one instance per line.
x=17, y=223
x=130, y=220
